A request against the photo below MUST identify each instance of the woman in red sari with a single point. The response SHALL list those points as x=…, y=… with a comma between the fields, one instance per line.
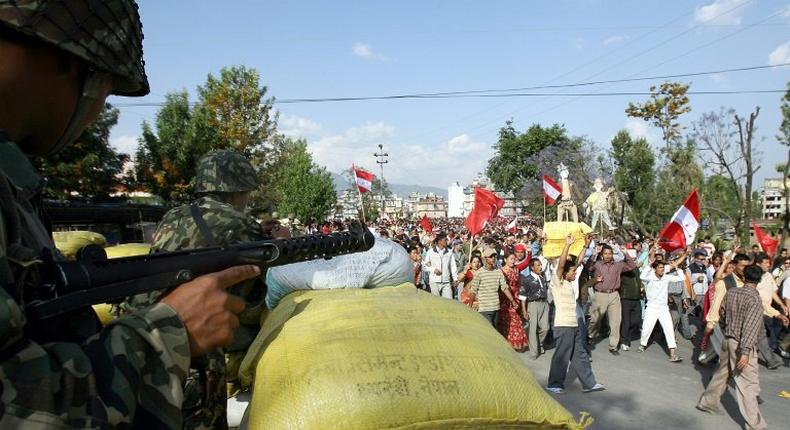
x=471, y=268
x=509, y=319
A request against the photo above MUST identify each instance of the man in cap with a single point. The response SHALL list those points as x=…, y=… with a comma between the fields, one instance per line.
x=223, y=181
x=59, y=62
x=487, y=283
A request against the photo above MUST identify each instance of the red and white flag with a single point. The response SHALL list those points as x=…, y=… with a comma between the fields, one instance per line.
x=551, y=190
x=363, y=179
x=512, y=226
x=679, y=233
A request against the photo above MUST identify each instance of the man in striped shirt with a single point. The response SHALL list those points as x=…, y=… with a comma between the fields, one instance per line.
x=487, y=283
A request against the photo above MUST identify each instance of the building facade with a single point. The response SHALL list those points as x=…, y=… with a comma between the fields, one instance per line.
x=773, y=199
x=455, y=200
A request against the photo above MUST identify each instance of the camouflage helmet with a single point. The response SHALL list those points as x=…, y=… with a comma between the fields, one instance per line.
x=105, y=33
x=225, y=171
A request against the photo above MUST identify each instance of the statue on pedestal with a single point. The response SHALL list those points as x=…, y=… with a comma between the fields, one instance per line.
x=566, y=209
x=599, y=202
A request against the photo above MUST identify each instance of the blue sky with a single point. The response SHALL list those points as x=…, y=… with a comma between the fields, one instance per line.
x=343, y=48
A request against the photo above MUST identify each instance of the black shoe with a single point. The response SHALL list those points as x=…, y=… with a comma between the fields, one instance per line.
x=782, y=353
x=614, y=351
x=760, y=400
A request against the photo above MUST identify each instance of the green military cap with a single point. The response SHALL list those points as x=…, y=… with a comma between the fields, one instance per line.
x=225, y=171
x=105, y=33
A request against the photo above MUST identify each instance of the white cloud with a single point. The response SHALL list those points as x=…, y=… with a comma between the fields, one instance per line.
x=125, y=144
x=639, y=128
x=578, y=43
x=786, y=12
x=720, y=12
x=718, y=78
x=296, y=126
x=780, y=55
x=613, y=40
x=463, y=144
x=364, y=50
x=457, y=159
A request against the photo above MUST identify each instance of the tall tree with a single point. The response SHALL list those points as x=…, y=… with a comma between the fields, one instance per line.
x=666, y=104
x=232, y=112
x=746, y=145
x=91, y=167
x=784, y=138
x=635, y=174
x=512, y=167
x=302, y=187
x=677, y=176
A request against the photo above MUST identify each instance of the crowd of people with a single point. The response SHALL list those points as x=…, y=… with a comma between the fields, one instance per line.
x=615, y=290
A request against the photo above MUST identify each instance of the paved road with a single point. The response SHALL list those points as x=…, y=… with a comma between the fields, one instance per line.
x=647, y=391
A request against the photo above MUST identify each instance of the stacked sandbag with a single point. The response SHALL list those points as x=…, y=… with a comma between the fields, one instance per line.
x=387, y=263
x=103, y=310
x=70, y=242
x=389, y=358
x=556, y=232
x=127, y=250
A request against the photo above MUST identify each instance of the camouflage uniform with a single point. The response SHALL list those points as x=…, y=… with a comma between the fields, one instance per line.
x=205, y=394
x=130, y=373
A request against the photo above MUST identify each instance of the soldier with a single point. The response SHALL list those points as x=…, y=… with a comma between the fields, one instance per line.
x=223, y=183
x=60, y=61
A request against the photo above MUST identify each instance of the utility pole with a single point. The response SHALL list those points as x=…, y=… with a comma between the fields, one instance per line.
x=381, y=160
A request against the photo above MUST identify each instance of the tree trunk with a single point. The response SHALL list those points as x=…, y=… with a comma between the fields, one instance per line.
x=746, y=135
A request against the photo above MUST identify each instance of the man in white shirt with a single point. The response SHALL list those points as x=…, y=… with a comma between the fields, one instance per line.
x=656, y=293
x=441, y=266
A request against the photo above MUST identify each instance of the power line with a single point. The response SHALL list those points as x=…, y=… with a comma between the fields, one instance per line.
x=506, y=92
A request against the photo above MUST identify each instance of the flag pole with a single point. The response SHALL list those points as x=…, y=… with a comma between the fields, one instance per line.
x=359, y=192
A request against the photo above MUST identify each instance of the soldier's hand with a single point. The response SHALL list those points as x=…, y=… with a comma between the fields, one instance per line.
x=208, y=312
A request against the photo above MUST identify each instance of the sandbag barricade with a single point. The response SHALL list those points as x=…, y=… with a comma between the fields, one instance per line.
x=390, y=357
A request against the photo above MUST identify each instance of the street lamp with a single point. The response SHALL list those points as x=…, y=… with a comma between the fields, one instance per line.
x=381, y=160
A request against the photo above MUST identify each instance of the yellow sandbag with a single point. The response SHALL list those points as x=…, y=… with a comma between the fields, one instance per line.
x=104, y=312
x=70, y=242
x=390, y=357
x=127, y=250
x=556, y=232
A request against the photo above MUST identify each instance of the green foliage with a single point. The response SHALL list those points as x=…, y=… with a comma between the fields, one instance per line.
x=634, y=173
x=90, y=167
x=784, y=128
x=719, y=201
x=679, y=174
x=232, y=112
x=300, y=186
x=512, y=167
x=663, y=109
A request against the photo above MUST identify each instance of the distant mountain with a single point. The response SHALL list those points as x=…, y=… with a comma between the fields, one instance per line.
x=400, y=189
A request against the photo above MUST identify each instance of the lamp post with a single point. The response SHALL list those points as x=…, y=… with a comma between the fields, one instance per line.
x=381, y=160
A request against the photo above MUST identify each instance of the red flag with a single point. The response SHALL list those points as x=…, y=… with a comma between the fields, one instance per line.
x=551, y=190
x=363, y=179
x=680, y=231
x=766, y=242
x=426, y=224
x=487, y=206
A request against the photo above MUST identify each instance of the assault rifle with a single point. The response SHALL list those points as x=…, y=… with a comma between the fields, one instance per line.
x=93, y=278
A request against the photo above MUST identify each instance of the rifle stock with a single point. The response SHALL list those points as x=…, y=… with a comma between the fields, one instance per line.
x=93, y=278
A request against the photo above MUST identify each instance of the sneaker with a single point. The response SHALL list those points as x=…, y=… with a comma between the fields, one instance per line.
x=541, y=350
x=555, y=390
x=641, y=349
x=702, y=356
x=594, y=388
x=625, y=347
x=782, y=353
